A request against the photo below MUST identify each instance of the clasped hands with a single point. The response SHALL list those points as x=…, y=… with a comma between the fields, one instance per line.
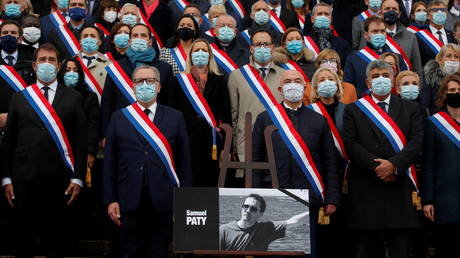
x=385, y=170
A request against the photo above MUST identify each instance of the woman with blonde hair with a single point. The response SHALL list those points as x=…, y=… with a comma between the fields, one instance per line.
x=15, y=9
x=212, y=86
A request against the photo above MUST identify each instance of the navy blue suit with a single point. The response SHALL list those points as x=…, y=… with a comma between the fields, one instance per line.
x=340, y=45
x=426, y=54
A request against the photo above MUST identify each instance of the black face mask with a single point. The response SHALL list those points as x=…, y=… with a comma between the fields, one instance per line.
x=390, y=17
x=453, y=99
x=8, y=43
x=185, y=33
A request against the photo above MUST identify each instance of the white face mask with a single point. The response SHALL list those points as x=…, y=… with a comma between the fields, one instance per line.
x=451, y=67
x=31, y=34
x=110, y=16
x=293, y=92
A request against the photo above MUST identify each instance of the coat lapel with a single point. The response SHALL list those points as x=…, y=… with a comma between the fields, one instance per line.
x=57, y=96
x=395, y=106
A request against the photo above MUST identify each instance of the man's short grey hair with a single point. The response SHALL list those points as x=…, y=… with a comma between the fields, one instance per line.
x=228, y=16
x=144, y=66
x=379, y=64
x=252, y=6
x=127, y=5
x=319, y=5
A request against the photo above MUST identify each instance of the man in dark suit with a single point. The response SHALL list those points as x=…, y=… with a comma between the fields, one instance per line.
x=35, y=178
x=405, y=6
x=380, y=191
x=314, y=130
x=137, y=186
x=113, y=99
x=288, y=17
x=20, y=58
x=261, y=22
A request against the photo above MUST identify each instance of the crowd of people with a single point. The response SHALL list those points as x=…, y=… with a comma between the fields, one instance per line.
x=129, y=97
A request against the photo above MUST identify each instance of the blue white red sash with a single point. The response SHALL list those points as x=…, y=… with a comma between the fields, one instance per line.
x=388, y=127
x=122, y=80
x=430, y=40
x=413, y=29
x=395, y=48
x=310, y=44
x=1, y=21
x=246, y=36
x=180, y=57
x=334, y=32
x=291, y=65
x=154, y=136
x=210, y=32
x=52, y=122
x=364, y=15
x=222, y=59
x=104, y=30
x=319, y=108
x=301, y=21
x=276, y=22
x=12, y=78
x=288, y=133
x=60, y=25
x=237, y=7
x=181, y=4
x=367, y=54
x=109, y=56
x=92, y=83
x=145, y=21
x=448, y=126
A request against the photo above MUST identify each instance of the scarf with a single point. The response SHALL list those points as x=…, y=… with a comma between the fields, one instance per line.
x=139, y=58
x=323, y=38
x=200, y=79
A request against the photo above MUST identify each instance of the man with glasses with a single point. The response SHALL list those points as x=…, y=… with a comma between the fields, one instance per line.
x=247, y=234
x=137, y=184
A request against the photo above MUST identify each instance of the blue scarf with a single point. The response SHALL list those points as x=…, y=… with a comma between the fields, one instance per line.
x=139, y=58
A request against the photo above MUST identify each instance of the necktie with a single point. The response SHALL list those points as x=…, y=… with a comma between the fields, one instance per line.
x=382, y=105
x=147, y=112
x=392, y=34
x=407, y=5
x=9, y=60
x=89, y=58
x=440, y=36
x=263, y=72
x=45, y=92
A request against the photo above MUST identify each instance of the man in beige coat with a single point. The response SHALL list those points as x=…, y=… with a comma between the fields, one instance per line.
x=242, y=98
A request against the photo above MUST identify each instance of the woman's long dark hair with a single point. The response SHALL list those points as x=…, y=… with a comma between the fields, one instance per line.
x=81, y=87
x=175, y=38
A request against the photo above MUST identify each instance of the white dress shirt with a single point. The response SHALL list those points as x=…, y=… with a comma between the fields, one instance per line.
x=152, y=108
x=14, y=55
x=387, y=101
x=435, y=33
x=277, y=10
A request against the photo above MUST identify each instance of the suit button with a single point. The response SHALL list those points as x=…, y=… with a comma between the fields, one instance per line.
x=141, y=168
x=146, y=153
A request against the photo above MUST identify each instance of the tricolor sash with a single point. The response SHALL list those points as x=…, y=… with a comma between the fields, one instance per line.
x=200, y=105
x=334, y=32
x=301, y=21
x=310, y=44
x=237, y=7
x=122, y=80
x=320, y=109
x=181, y=4
x=388, y=127
x=364, y=15
x=367, y=54
x=291, y=65
x=395, y=48
x=12, y=78
x=413, y=29
x=109, y=56
x=145, y=21
x=288, y=133
x=222, y=59
x=52, y=122
x=180, y=57
x=92, y=83
x=448, y=126
x=276, y=22
x=154, y=137
x=430, y=40
x=60, y=25
x=210, y=32
x=104, y=30
x=58, y=19
x=246, y=36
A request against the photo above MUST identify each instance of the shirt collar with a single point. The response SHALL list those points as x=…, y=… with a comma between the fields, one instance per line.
x=52, y=86
x=434, y=30
x=290, y=108
x=277, y=10
x=14, y=54
x=394, y=30
x=387, y=100
x=258, y=66
x=152, y=108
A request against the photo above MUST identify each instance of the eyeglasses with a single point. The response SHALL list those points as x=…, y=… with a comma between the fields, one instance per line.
x=251, y=208
x=148, y=80
x=332, y=60
x=262, y=44
x=437, y=9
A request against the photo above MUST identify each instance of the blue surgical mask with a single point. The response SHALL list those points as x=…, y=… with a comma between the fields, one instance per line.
x=77, y=13
x=294, y=46
x=129, y=19
x=146, y=92
x=297, y=3
x=200, y=58
x=226, y=34
x=261, y=17
x=46, y=72
x=322, y=22
x=13, y=10
x=121, y=40
x=89, y=45
x=262, y=54
x=378, y=40
x=375, y=4
x=420, y=17
x=217, y=2
x=327, y=88
x=439, y=18
x=409, y=92
x=381, y=86
x=139, y=45
x=214, y=22
x=71, y=79
x=63, y=4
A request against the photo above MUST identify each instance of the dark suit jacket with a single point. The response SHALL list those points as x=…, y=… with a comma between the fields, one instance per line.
x=93, y=117
x=24, y=68
x=426, y=54
x=340, y=45
x=113, y=99
x=29, y=152
x=46, y=26
x=289, y=17
x=161, y=20
x=403, y=18
x=374, y=204
x=238, y=50
x=130, y=162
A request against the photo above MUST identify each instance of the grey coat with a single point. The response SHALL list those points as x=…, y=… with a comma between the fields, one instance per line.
x=408, y=42
x=357, y=33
